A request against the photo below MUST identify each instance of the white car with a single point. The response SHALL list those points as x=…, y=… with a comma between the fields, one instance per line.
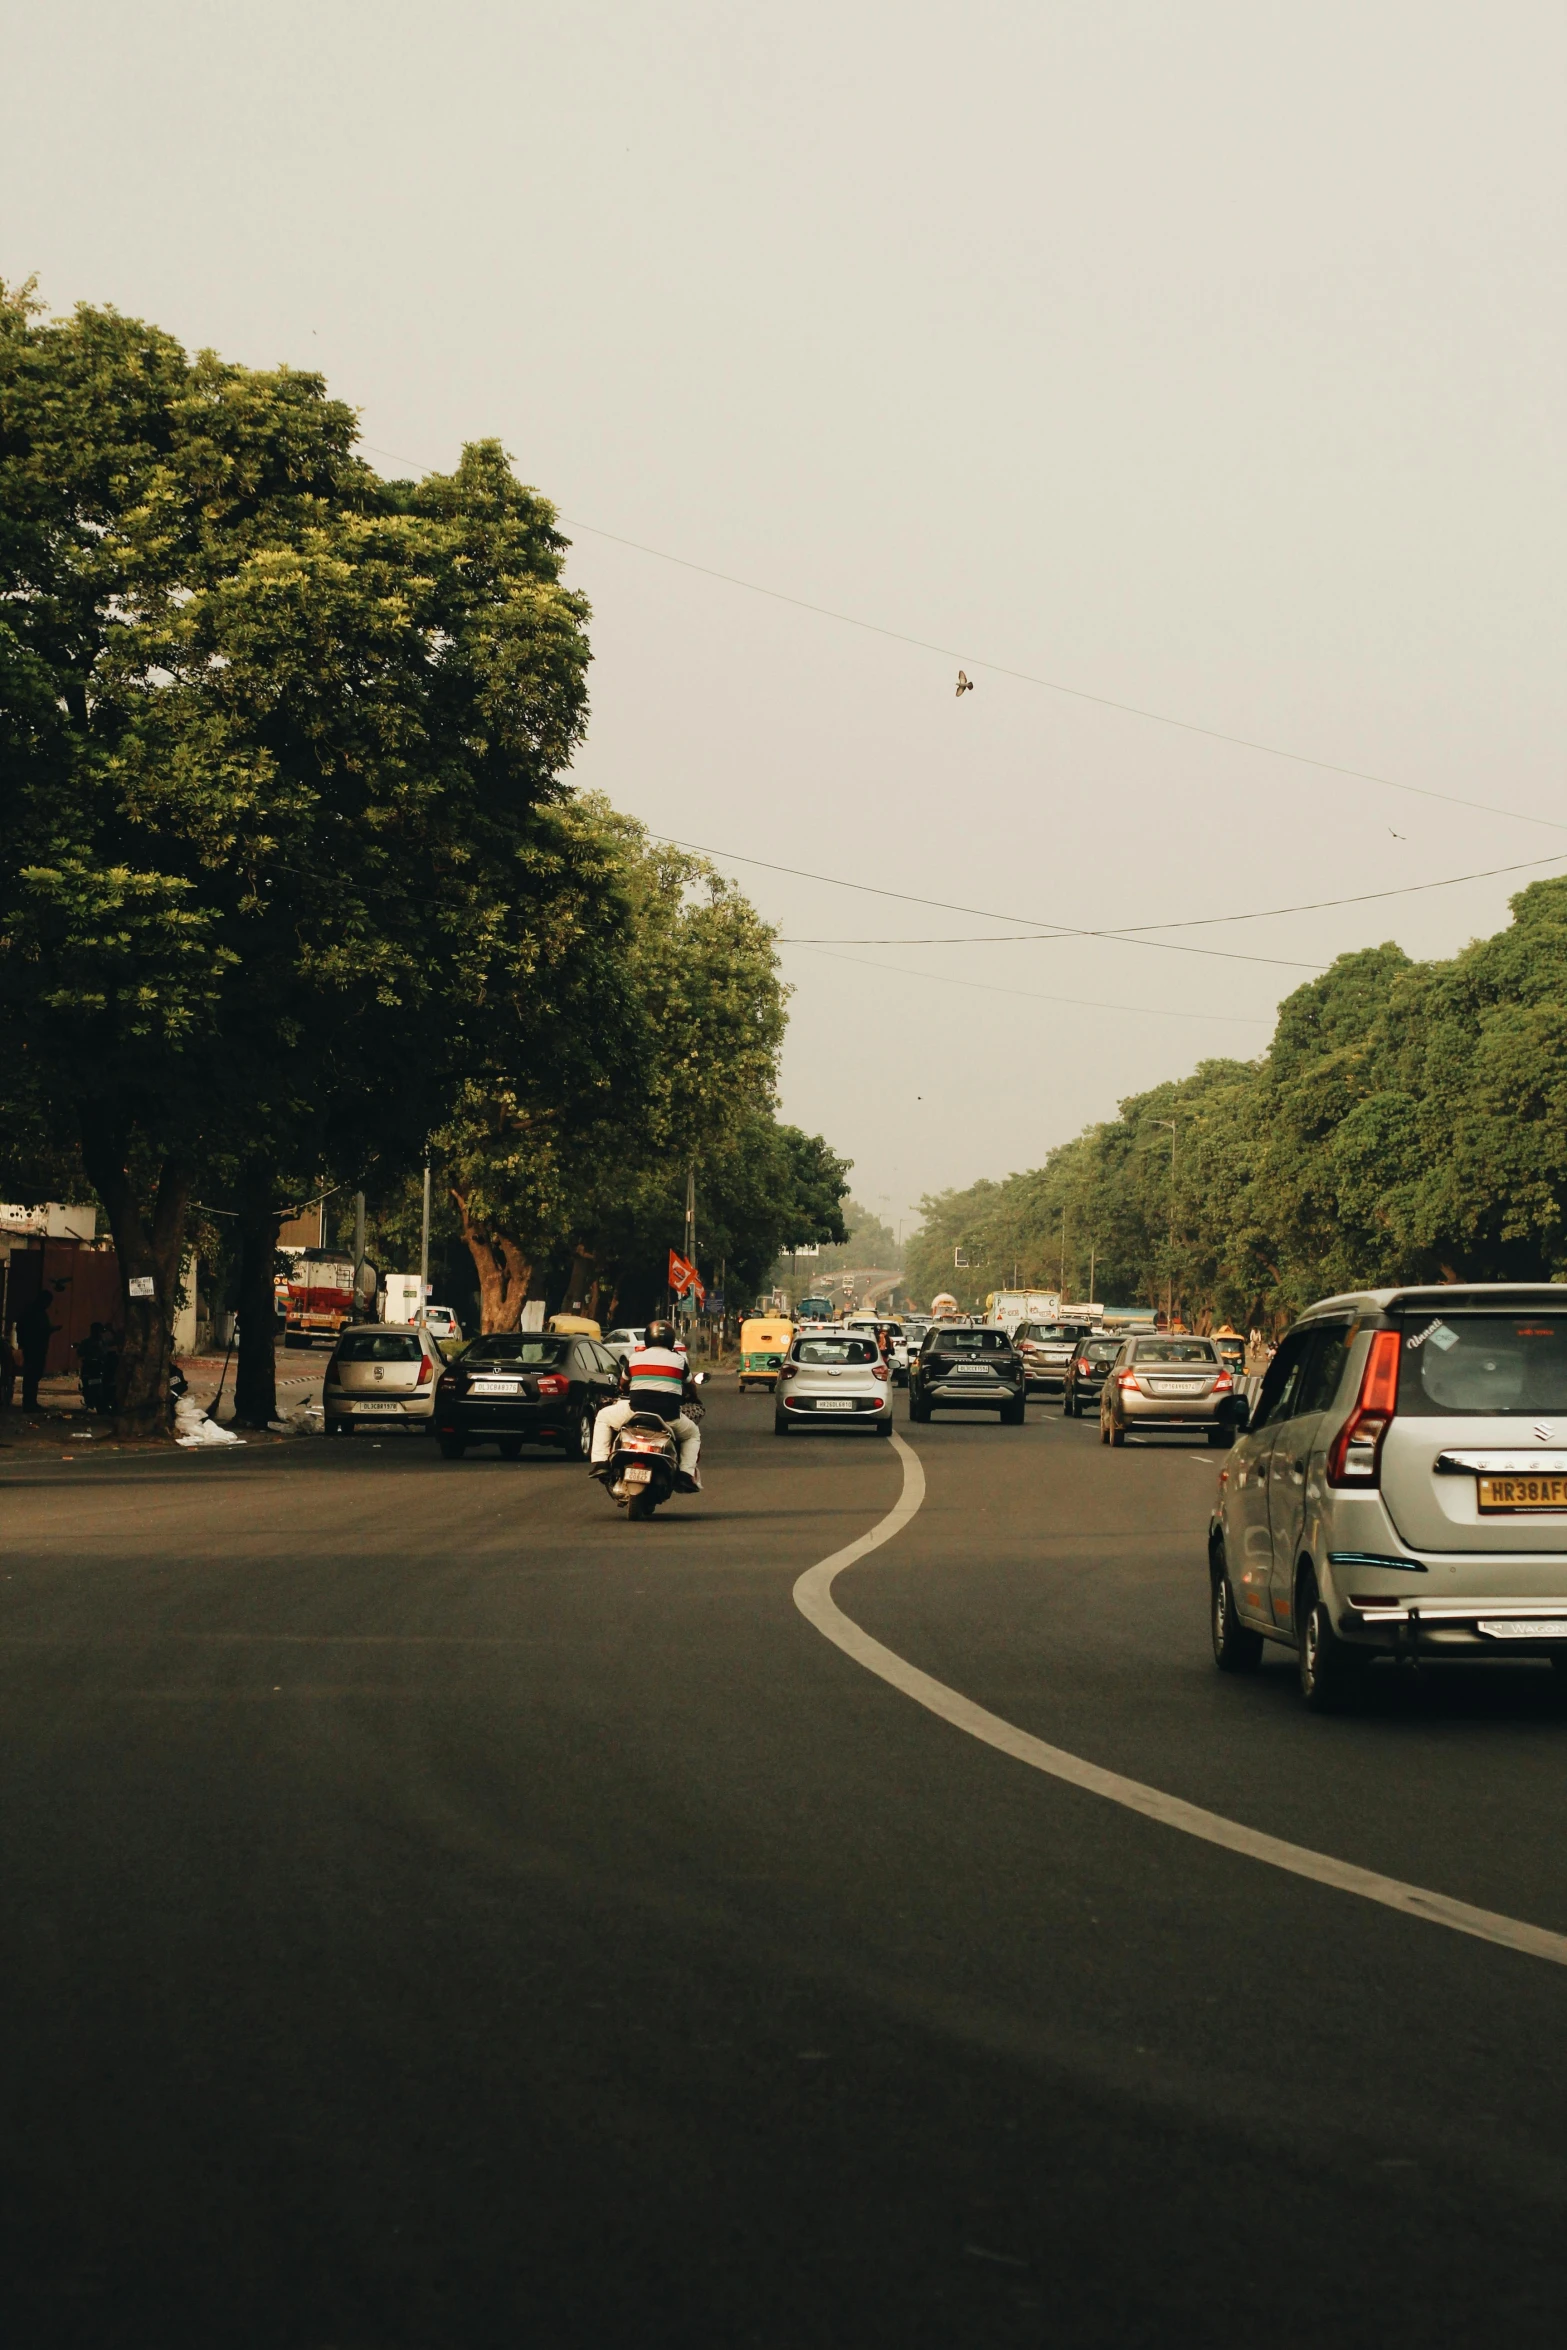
x=833, y=1378
x=622, y=1343
x=898, y=1347
x=441, y=1322
x=378, y=1374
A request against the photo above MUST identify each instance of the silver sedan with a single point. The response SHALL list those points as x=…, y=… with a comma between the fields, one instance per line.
x=1176, y=1384
x=835, y=1380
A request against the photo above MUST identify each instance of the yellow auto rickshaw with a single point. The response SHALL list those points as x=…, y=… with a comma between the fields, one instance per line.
x=763, y=1345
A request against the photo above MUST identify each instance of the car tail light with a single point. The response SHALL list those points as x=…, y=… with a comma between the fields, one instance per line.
x=1355, y=1455
x=426, y=1372
x=553, y=1384
x=1126, y=1378
x=1084, y=1367
x=1223, y=1383
x=878, y=1370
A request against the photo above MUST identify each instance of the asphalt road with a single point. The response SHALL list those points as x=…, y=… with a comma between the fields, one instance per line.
x=437, y=1913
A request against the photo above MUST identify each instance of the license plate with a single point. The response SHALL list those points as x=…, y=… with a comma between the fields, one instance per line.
x=1523, y=1493
x=636, y=1476
x=963, y=1372
x=1176, y=1386
x=835, y=1403
x=497, y=1387
x=375, y=1407
x=1534, y=1628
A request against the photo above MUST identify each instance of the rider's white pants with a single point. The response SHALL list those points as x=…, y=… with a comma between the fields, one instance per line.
x=615, y=1415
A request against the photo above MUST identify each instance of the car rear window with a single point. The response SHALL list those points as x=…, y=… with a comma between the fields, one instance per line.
x=379, y=1346
x=514, y=1346
x=836, y=1350
x=995, y=1342
x=1479, y=1363
x=1102, y=1350
x=1058, y=1330
x=1174, y=1350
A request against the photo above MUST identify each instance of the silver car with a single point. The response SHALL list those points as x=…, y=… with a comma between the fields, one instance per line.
x=833, y=1379
x=1401, y=1489
x=381, y=1373
x=1046, y=1349
x=1173, y=1384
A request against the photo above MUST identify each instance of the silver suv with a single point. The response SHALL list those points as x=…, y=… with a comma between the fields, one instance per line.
x=1401, y=1488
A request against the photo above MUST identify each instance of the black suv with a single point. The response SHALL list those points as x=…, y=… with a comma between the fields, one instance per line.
x=968, y=1367
x=518, y=1387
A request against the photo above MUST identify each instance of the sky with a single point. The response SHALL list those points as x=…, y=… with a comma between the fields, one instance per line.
x=1206, y=361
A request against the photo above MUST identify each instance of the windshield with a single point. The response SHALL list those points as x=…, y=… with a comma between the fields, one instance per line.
x=515, y=1346
x=836, y=1350
x=1174, y=1350
x=995, y=1342
x=1477, y=1363
x=379, y=1346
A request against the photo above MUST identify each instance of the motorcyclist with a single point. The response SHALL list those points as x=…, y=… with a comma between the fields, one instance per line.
x=655, y=1378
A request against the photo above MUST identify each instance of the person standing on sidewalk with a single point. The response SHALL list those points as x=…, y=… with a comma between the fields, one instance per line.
x=34, y=1330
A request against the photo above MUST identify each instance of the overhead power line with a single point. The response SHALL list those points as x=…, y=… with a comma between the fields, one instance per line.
x=1130, y=930
x=1053, y=685
x=984, y=913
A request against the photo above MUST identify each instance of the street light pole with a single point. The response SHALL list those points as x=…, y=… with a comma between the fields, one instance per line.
x=1169, y=1278
x=424, y=1247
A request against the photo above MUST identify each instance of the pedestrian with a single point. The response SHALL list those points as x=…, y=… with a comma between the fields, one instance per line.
x=34, y=1330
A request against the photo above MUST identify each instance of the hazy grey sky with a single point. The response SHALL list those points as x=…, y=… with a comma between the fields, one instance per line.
x=1204, y=357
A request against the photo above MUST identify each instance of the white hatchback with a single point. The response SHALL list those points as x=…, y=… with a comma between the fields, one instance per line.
x=380, y=1375
x=833, y=1379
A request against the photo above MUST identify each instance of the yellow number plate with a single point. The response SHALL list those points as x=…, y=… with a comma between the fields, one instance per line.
x=1523, y=1493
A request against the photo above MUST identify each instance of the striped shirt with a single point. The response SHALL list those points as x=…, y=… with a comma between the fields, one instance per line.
x=657, y=1370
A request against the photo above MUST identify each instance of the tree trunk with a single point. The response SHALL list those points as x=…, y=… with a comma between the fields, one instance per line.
x=146, y=1250
x=504, y=1272
x=582, y=1288
x=255, y=1377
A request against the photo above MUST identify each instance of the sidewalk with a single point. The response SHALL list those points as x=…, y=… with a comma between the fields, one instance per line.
x=61, y=1426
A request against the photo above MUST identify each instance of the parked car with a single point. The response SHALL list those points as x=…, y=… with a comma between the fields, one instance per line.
x=1088, y=1367
x=379, y=1376
x=1401, y=1489
x=1169, y=1385
x=967, y=1366
x=1046, y=1349
x=833, y=1377
x=516, y=1387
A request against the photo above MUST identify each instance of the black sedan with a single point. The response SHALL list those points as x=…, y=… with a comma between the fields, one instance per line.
x=967, y=1367
x=1086, y=1373
x=517, y=1387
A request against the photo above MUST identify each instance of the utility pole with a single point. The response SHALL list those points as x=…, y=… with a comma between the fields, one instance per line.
x=690, y=1243
x=1169, y=1279
x=359, y=1254
x=1063, y=1254
x=424, y=1245
x=1091, y=1272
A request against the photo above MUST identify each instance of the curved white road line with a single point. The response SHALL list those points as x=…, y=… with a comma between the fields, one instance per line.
x=813, y=1597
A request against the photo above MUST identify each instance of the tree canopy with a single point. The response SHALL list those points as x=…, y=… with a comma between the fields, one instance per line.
x=1408, y=1122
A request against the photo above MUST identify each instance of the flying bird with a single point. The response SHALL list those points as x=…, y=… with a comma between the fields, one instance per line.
x=965, y=684
x=1398, y=835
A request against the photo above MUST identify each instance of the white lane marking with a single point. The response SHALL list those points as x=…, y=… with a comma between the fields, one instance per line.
x=813, y=1597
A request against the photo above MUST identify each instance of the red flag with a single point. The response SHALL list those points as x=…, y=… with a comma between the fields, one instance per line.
x=683, y=1275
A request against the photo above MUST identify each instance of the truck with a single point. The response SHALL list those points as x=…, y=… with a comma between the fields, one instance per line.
x=320, y=1296
x=1008, y=1307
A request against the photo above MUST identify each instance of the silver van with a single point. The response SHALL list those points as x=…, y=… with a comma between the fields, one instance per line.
x=1400, y=1488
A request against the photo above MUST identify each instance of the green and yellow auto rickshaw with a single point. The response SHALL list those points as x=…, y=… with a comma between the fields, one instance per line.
x=763, y=1345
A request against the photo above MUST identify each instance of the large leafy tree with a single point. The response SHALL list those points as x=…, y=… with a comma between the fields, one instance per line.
x=285, y=849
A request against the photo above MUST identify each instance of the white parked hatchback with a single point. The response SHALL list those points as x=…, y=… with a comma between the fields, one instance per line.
x=1400, y=1489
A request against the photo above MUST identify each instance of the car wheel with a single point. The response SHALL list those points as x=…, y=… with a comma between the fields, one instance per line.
x=1331, y=1672
x=585, y=1434
x=1012, y=1414
x=1236, y=1647
x=1220, y=1439
x=780, y=1424
x=1117, y=1433
x=510, y=1448
x=1068, y=1408
x=452, y=1448
x=884, y=1427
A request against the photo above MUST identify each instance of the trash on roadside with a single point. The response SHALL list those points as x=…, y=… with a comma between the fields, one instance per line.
x=192, y=1428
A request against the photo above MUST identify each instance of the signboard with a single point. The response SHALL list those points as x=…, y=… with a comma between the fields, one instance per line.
x=960, y=1260
x=141, y=1285
x=810, y=1249
x=715, y=1301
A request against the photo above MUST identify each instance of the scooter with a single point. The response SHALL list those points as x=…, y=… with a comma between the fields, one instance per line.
x=641, y=1469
